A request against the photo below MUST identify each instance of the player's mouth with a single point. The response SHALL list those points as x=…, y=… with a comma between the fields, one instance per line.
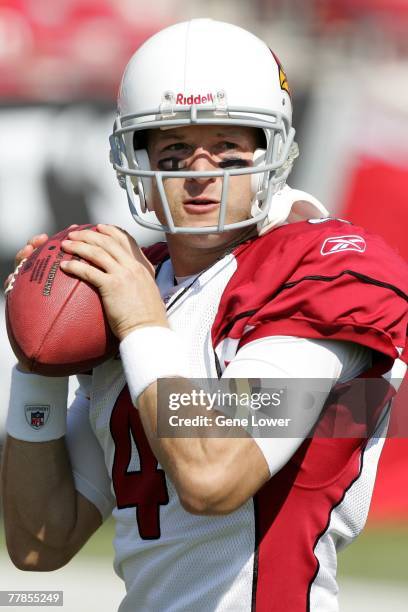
x=199, y=206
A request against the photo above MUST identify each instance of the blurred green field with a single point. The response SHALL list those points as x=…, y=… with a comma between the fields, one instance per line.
x=379, y=554
x=100, y=545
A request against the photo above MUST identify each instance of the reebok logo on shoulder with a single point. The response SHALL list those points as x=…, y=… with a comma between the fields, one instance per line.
x=340, y=244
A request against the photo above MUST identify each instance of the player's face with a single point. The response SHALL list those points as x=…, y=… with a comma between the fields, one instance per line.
x=195, y=202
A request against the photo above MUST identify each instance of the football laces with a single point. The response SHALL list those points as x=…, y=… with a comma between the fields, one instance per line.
x=14, y=276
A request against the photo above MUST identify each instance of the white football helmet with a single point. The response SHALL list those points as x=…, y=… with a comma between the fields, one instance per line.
x=196, y=73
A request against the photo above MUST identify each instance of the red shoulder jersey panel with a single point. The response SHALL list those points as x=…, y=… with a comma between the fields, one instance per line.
x=329, y=280
x=156, y=253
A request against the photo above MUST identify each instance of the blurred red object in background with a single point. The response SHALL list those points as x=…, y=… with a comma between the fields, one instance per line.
x=377, y=197
x=377, y=200
x=67, y=49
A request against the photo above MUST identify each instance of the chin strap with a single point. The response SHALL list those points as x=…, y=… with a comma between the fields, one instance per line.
x=289, y=206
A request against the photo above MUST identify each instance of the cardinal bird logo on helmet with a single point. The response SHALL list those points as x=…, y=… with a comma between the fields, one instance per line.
x=282, y=75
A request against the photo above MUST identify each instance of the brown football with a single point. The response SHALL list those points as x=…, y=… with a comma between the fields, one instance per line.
x=55, y=322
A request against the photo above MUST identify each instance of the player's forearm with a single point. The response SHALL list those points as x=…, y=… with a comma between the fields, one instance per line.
x=213, y=474
x=39, y=499
x=151, y=353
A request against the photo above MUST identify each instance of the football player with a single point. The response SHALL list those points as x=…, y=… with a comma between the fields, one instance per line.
x=254, y=281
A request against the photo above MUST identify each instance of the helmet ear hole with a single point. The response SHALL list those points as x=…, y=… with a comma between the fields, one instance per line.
x=257, y=179
x=144, y=184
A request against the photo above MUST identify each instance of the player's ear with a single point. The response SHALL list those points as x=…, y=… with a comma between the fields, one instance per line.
x=144, y=184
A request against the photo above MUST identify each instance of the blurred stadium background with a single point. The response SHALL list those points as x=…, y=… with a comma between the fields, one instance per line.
x=347, y=62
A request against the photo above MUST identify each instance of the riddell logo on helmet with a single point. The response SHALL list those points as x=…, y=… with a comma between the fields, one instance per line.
x=194, y=99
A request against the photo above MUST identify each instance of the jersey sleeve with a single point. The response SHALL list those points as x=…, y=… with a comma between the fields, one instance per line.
x=156, y=253
x=297, y=358
x=333, y=281
x=347, y=307
x=87, y=461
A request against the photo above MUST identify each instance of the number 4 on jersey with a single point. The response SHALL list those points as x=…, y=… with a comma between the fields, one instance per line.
x=146, y=488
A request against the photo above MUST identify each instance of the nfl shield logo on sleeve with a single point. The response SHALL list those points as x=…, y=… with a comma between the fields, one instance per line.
x=340, y=244
x=37, y=415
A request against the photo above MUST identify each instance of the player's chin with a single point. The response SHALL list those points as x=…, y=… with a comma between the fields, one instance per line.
x=205, y=219
x=214, y=239
x=206, y=242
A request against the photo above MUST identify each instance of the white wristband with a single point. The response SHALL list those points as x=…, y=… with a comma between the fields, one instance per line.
x=37, y=407
x=150, y=353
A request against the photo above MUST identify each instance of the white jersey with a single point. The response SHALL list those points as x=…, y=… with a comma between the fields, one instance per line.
x=277, y=552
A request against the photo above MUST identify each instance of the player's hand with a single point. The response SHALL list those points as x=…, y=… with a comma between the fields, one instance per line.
x=116, y=266
x=25, y=252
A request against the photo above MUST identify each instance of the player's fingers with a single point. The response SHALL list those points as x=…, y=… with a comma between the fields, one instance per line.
x=27, y=250
x=129, y=243
x=84, y=271
x=23, y=253
x=116, y=232
x=38, y=240
x=106, y=242
x=118, y=243
x=92, y=253
x=121, y=236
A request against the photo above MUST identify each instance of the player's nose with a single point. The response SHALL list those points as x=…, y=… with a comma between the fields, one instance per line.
x=203, y=162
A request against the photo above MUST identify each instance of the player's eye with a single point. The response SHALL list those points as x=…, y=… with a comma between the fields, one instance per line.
x=226, y=145
x=177, y=153
x=176, y=146
x=229, y=160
